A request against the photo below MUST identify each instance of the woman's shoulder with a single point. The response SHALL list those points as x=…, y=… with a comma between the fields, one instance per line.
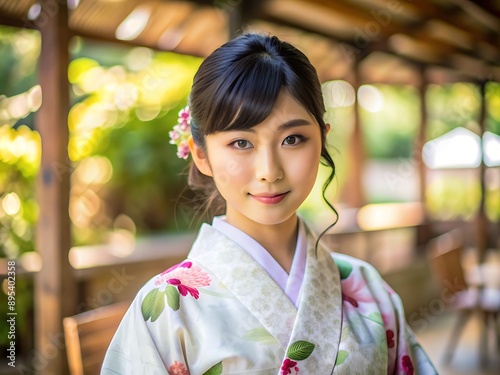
x=186, y=273
x=352, y=261
x=352, y=269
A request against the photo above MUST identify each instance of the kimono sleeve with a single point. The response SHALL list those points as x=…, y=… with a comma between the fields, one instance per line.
x=369, y=296
x=135, y=348
x=411, y=358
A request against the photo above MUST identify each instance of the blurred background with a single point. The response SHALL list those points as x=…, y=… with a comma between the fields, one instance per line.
x=92, y=196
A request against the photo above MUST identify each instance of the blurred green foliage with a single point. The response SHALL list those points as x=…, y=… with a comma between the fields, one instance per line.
x=453, y=198
x=122, y=119
x=390, y=132
x=458, y=104
x=493, y=107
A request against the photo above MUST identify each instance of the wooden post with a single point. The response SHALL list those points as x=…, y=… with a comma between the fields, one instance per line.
x=422, y=132
x=481, y=218
x=235, y=18
x=425, y=231
x=353, y=191
x=55, y=295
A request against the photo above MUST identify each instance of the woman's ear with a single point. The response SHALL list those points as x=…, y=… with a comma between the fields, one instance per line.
x=199, y=158
x=327, y=128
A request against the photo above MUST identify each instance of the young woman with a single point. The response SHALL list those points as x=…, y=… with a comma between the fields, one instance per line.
x=257, y=294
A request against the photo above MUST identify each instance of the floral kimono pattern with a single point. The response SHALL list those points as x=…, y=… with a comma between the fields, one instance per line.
x=219, y=312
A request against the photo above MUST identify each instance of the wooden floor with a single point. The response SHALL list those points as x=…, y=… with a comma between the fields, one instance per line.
x=466, y=359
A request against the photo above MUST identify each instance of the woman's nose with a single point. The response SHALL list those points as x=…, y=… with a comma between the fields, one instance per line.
x=268, y=166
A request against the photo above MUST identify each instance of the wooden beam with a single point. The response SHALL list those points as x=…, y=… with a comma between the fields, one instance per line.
x=373, y=27
x=430, y=10
x=16, y=22
x=55, y=295
x=351, y=50
x=489, y=7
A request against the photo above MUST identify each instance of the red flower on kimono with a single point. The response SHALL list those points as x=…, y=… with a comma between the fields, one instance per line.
x=288, y=364
x=351, y=300
x=177, y=369
x=407, y=365
x=389, y=334
x=186, y=277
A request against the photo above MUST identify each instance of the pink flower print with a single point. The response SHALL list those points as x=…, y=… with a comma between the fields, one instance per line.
x=177, y=369
x=186, y=277
x=184, y=289
x=186, y=264
x=355, y=290
x=288, y=364
x=389, y=334
x=407, y=365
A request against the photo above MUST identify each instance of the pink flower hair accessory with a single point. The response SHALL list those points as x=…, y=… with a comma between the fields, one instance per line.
x=181, y=132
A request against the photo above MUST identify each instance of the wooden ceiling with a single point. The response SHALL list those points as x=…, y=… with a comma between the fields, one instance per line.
x=394, y=41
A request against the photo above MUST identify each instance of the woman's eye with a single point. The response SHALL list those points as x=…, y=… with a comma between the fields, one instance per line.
x=292, y=140
x=241, y=144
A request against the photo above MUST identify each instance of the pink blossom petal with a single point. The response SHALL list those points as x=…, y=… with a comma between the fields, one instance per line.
x=173, y=136
x=187, y=264
x=184, y=290
x=184, y=126
x=183, y=151
x=174, y=281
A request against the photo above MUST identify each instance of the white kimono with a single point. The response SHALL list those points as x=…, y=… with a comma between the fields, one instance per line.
x=220, y=312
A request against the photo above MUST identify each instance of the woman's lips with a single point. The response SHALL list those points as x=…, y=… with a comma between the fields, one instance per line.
x=269, y=199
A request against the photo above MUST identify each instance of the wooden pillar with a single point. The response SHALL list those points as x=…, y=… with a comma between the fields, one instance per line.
x=235, y=18
x=353, y=192
x=54, y=285
x=422, y=137
x=481, y=218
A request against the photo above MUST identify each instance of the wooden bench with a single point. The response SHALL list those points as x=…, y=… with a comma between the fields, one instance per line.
x=88, y=336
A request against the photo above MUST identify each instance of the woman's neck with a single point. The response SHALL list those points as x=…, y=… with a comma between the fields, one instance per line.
x=279, y=240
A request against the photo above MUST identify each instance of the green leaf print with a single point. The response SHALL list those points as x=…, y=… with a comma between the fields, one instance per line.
x=172, y=297
x=214, y=370
x=153, y=305
x=345, y=268
x=376, y=317
x=341, y=357
x=300, y=350
x=261, y=335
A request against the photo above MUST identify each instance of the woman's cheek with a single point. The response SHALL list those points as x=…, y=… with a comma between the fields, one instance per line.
x=234, y=167
x=228, y=172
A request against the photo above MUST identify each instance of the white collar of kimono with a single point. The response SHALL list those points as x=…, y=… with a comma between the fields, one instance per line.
x=317, y=320
x=289, y=283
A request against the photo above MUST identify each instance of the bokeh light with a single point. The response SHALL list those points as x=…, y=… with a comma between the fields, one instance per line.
x=338, y=93
x=370, y=98
x=11, y=204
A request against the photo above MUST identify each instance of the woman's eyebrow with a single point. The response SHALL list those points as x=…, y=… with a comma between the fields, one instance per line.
x=287, y=125
x=294, y=123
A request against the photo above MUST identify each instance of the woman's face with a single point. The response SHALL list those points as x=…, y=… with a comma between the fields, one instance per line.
x=266, y=172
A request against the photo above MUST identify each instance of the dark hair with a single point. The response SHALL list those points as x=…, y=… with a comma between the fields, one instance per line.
x=237, y=86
